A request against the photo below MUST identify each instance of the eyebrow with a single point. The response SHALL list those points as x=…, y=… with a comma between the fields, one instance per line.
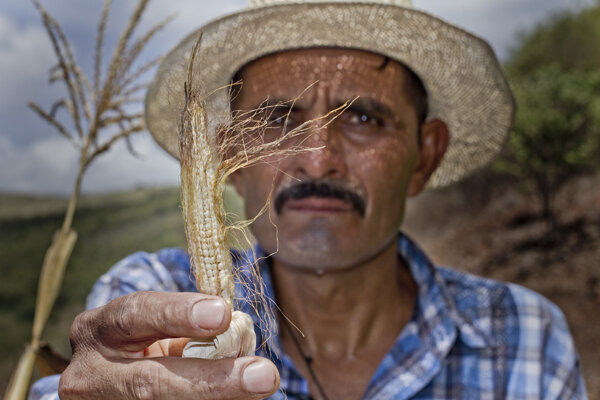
x=369, y=106
x=277, y=103
x=359, y=105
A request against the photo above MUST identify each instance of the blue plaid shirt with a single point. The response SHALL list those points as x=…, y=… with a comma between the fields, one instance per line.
x=469, y=338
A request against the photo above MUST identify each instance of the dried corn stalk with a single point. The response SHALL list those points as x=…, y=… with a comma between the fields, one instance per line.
x=97, y=114
x=205, y=165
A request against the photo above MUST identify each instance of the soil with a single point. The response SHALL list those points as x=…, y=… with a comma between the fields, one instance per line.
x=494, y=230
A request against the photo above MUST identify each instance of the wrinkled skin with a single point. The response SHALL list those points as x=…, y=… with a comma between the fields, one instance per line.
x=111, y=359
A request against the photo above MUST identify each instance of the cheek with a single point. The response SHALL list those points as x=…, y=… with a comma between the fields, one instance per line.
x=390, y=160
x=385, y=170
x=258, y=183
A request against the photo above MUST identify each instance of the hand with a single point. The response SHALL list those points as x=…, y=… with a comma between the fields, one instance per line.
x=109, y=344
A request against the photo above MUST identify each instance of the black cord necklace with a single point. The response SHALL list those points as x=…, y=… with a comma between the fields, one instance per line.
x=308, y=360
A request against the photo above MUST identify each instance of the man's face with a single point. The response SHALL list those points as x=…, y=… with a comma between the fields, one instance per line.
x=366, y=157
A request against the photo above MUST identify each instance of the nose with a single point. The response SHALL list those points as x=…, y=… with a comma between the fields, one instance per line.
x=324, y=154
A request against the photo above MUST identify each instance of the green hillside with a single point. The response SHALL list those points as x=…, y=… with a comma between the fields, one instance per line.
x=109, y=226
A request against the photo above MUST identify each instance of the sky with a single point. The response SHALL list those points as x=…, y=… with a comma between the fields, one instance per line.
x=35, y=159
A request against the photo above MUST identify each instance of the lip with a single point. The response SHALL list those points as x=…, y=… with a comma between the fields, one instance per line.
x=319, y=205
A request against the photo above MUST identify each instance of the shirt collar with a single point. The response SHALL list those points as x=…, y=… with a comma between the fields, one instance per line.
x=435, y=295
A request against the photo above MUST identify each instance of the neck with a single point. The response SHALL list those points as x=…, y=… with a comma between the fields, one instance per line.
x=348, y=313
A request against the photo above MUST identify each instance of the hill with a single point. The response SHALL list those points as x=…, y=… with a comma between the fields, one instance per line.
x=109, y=226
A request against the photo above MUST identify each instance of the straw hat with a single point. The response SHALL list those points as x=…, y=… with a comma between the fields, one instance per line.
x=465, y=84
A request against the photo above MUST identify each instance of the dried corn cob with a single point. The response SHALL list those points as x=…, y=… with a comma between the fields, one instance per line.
x=202, y=184
x=205, y=166
x=202, y=212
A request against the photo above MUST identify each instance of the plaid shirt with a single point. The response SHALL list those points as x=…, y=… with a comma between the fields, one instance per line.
x=469, y=338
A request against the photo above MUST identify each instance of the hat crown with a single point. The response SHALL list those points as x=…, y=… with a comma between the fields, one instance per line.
x=465, y=85
x=264, y=3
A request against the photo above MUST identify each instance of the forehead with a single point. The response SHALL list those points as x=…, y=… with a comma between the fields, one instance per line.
x=343, y=72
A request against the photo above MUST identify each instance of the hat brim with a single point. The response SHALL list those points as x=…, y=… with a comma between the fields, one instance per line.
x=464, y=81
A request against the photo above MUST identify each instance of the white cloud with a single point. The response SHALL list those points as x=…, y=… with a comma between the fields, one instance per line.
x=497, y=21
x=48, y=166
x=25, y=57
x=190, y=14
x=118, y=169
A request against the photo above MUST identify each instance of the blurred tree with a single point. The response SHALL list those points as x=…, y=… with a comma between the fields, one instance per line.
x=557, y=129
x=569, y=39
x=555, y=74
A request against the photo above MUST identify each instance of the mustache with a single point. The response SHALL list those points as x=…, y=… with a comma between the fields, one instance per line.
x=322, y=189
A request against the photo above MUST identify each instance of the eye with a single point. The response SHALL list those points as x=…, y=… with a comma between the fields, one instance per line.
x=278, y=117
x=364, y=119
x=282, y=120
x=278, y=120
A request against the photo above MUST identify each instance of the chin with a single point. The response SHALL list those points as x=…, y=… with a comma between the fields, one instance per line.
x=321, y=252
x=321, y=244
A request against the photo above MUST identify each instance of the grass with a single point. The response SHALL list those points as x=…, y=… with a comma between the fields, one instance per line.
x=109, y=227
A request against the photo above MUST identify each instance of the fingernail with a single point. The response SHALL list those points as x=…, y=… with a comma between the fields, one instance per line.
x=259, y=377
x=208, y=314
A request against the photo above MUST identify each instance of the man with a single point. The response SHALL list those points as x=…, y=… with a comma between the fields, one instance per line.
x=378, y=320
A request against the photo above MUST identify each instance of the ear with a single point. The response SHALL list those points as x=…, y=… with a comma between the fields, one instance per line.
x=433, y=145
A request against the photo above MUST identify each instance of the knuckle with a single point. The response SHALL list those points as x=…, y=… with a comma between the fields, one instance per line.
x=145, y=383
x=81, y=330
x=123, y=312
x=71, y=384
x=66, y=388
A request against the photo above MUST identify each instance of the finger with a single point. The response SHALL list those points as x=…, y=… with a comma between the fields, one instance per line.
x=242, y=378
x=133, y=322
x=180, y=378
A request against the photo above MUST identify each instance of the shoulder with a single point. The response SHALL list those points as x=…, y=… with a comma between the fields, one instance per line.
x=487, y=301
x=527, y=328
x=472, y=291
